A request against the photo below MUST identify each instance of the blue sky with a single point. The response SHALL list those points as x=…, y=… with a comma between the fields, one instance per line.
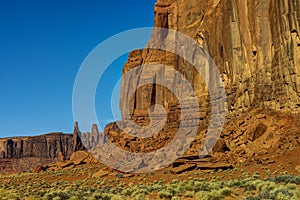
x=42, y=45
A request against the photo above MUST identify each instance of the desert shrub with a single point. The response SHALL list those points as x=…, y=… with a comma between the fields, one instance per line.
x=102, y=196
x=135, y=190
x=291, y=186
x=281, y=196
x=202, y=195
x=33, y=198
x=215, y=185
x=139, y=196
x=127, y=192
x=165, y=194
x=157, y=186
x=139, y=191
x=285, y=179
x=281, y=192
x=200, y=186
x=117, y=197
x=74, y=198
x=250, y=187
x=297, y=193
x=277, y=193
x=186, y=186
x=256, y=175
x=175, y=181
x=226, y=191
x=215, y=195
x=59, y=195
x=246, y=175
x=173, y=189
x=212, y=195
x=190, y=194
x=234, y=183
x=266, y=186
x=9, y=194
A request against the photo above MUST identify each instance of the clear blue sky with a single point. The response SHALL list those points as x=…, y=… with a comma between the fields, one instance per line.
x=42, y=45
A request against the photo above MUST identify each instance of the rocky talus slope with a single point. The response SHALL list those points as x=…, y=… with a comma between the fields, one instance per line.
x=256, y=47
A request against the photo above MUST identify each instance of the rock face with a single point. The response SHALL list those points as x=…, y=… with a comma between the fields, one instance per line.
x=23, y=153
x=92, y=139
x=77, y=141
x=44, y=146
x=256, y=47
x=255, y=44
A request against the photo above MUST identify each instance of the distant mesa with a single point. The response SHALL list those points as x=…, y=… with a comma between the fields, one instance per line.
x=23, y=153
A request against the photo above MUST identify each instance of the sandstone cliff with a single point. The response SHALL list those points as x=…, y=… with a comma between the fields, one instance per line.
x=44, y=146
x=255, y=44
x=256, y=47
x=23, y=153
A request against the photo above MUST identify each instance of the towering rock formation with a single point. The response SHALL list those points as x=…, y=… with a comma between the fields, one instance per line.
x=256, y=47
x=93, y=138
x=77, y=141
x=255, y=44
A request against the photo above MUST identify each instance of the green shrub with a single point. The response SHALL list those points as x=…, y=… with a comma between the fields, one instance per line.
x=201, y=186
x=74, y=198
x=215, y=195
x=8, y=194
x=139, y=196
x=226, y=191
x=282, y=192
x=285, y=179
x=234, y=183
x=202, y=195
x=215, y=185
x=102, y=196
x=165, y=194
x=277, y=193
x=291, y=186
x=190, y=194
x=117, y=197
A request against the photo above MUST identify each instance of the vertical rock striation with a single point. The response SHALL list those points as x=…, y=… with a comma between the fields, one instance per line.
x=21, y=153
x=43, y=146
x=255, y=45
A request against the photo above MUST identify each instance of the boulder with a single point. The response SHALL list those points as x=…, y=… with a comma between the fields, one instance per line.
x=82, y=157
x=100, y=174
x=259, y=131
x=220, y=146
x=61, y=156
x=183, y=168
x=64, y=164
x=218, y=165
x=261, y=116
x=79, y=156
x=39, y=169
